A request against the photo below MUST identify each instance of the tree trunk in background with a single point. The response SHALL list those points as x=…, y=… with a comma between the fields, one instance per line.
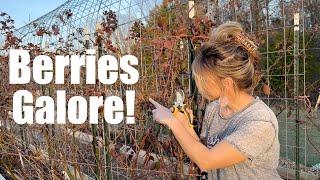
x=234, y=8
x=213, y=11
x=254, y=7
x=281, y=8
x=313, y=7
x=267, y=9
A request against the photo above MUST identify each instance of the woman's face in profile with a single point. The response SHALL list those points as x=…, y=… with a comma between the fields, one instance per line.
x=209, y=88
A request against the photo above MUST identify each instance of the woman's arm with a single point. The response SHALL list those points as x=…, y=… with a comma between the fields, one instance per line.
x=221, y=155
x=185, y=123
x=192, y=133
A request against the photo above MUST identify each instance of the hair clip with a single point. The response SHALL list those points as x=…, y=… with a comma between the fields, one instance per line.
x=246, y=42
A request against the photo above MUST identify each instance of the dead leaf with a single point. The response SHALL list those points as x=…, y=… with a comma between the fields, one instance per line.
x=266, y=89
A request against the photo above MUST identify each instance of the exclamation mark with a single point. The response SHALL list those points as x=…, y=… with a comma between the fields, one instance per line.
x=130, y=97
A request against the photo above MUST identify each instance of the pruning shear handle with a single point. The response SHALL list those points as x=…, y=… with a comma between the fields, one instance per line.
x=180, y=106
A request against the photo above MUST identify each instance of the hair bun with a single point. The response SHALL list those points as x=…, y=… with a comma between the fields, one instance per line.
x=210, y=51
x=232, y=32
x=226, y=32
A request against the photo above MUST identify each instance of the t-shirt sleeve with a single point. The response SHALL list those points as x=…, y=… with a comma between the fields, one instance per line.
x=209, y=110
x=204, y=124
x=253, y=138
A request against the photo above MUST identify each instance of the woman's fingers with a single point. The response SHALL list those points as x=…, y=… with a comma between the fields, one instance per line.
x=161, y=114
x=189, y=111
x=155, y=114
x=155, y=111
x=155, y=103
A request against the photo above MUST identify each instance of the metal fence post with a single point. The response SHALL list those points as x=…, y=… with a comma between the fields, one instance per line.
x=296, y=91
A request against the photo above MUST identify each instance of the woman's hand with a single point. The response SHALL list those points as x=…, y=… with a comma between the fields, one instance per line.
x=183, y=118
x=162, y=114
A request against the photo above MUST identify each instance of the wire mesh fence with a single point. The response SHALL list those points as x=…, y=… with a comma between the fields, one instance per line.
x=165, y=37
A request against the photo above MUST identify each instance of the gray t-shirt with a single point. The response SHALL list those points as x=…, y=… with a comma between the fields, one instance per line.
x=252, y=131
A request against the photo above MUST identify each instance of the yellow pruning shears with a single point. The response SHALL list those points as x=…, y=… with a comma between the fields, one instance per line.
x=180, y=106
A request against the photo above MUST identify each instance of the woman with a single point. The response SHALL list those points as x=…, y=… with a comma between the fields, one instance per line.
x=240, y=132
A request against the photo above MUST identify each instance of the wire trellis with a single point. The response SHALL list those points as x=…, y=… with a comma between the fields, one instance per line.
x=164, y=38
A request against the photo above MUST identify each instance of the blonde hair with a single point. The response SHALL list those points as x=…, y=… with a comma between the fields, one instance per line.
x=229, y=53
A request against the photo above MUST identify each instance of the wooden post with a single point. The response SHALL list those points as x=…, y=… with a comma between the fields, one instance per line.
x=296, y=92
